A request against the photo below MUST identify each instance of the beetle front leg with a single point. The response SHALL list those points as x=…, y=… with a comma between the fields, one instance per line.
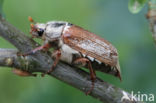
x=85, y=61
x=56, y=55
x=46, y=47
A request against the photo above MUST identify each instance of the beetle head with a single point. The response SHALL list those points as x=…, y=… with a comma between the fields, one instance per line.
x=37, y=29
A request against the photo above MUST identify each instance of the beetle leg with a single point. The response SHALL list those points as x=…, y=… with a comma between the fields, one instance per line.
x=46, y=47
x=22, y=73
x=84, y=61
x=56, y=55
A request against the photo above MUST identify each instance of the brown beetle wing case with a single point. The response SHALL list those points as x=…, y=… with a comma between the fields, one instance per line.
x=90, y=44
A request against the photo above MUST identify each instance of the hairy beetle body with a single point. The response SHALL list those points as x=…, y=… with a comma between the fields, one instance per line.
x=77, y=46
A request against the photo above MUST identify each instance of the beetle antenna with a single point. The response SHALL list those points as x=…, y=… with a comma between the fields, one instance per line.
x=32, y=25
x=31, y=20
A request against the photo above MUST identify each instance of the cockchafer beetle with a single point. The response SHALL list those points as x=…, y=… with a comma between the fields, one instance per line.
x=76, y=46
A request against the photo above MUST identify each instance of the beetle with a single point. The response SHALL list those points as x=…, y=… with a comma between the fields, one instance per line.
x=76, y=46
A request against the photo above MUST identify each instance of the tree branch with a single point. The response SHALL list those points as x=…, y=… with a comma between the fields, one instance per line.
x=151, y=16
x=41, y=62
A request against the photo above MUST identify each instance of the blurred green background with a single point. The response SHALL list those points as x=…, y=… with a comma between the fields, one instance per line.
x=111, y=20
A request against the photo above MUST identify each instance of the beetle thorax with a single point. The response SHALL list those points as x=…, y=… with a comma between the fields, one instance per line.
x=54, y=30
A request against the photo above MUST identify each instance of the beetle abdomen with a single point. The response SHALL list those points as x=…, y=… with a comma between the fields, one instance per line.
x=101, y=66
x=92, y=59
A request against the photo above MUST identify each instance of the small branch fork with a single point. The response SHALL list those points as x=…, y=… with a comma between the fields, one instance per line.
x=41, y=62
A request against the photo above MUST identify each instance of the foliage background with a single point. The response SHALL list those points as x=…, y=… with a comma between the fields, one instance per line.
x=111, y=20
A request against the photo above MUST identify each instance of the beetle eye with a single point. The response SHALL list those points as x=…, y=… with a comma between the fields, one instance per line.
x=40, y=32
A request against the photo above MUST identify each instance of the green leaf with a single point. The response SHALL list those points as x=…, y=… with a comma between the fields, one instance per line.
x=135, y=6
